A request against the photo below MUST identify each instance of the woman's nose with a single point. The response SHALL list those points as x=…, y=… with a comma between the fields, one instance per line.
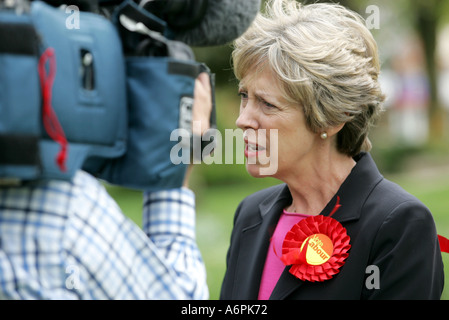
x=247, y=118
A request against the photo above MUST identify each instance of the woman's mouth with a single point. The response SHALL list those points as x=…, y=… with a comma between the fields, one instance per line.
x=253, y=149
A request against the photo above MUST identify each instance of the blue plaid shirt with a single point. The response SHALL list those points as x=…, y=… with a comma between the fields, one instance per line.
x=69, y=240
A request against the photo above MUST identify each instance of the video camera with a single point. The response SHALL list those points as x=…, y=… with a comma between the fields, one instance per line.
x=98, y=86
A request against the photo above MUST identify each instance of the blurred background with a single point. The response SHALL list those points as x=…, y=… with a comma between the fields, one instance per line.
x=410, y=143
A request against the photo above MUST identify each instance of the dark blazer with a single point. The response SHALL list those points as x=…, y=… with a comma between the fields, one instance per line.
x=389, y=229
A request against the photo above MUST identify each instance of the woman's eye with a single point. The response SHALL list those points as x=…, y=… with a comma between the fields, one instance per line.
x=269, y=105
x=266, y=104
x=243, y=95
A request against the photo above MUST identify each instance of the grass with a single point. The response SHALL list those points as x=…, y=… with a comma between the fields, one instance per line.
x=216, y=206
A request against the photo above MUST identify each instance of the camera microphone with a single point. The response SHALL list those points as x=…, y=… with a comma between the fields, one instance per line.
x=204, y=22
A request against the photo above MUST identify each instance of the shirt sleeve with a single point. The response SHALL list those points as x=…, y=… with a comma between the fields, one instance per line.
x=70, y=240
x=114, y=258
x=169, y=220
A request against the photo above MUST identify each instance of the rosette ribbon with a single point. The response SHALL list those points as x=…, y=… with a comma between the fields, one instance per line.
x=444, y=243
x=316, y=247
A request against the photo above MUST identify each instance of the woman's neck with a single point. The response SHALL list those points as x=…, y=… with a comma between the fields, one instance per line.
x=314, y=185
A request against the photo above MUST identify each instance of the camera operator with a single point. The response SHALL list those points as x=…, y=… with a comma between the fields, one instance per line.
x=69, y=240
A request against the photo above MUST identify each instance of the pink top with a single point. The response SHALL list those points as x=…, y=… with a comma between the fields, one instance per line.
x=273, y=264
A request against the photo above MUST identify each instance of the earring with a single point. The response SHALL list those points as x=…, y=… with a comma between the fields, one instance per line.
x=324, y=136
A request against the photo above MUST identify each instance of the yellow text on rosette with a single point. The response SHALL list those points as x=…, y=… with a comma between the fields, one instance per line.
x=319, y=250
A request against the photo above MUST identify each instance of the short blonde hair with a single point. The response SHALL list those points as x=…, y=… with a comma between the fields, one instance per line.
x=326, y=60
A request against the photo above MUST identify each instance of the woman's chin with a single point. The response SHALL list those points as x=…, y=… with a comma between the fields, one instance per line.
x=255, y=170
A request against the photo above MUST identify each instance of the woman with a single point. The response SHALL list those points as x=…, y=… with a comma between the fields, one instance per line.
x=310, y=74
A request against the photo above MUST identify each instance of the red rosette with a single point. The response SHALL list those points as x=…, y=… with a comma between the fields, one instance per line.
x=316, y=248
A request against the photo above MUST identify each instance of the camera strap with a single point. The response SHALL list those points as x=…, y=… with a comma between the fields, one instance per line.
x=150, y=21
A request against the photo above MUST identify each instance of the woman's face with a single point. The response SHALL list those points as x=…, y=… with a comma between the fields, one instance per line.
x=277, y=140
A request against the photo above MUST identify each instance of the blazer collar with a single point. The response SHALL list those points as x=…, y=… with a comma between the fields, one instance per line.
x=355, y=189
x=353, y=193
x=280, y=196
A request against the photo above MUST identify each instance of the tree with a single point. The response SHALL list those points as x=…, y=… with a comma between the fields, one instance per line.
x=427, y=15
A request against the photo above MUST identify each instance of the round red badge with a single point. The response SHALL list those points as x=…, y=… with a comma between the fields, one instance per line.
x=316, y=248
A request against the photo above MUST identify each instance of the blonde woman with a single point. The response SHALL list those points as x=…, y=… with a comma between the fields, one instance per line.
x=335, y=229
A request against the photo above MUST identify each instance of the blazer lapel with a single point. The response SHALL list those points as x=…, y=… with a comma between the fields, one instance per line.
x=255, y=241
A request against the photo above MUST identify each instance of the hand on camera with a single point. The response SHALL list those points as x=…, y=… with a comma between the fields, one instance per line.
x=202, y=104
x=202, y=108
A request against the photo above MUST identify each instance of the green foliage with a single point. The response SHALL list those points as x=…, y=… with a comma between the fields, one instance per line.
x=398, y=158
x=218, y=59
